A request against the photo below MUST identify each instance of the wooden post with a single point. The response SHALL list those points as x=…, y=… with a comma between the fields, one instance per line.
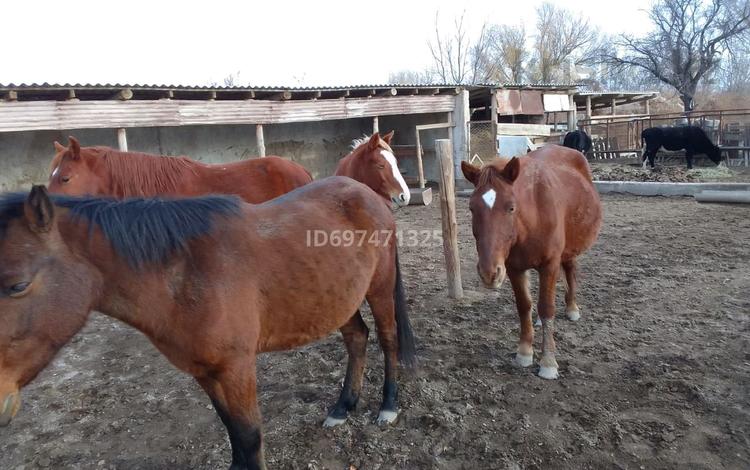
x=572, y=114
x=375, y=125
x=420, y=165
x=588, y=112
x=122, y=139
x=260, y=140
x=648, y=106
x=448, y=216
x=614, y=107
x=493, y=120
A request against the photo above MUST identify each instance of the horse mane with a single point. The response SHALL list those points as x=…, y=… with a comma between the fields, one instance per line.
x=136, y=174
x=142, y=231
x=357, y=143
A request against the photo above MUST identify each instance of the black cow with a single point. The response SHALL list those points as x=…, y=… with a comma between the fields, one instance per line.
x=578, y=140
x=690, y=138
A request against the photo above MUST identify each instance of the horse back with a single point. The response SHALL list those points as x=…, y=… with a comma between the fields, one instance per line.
x=257, y=180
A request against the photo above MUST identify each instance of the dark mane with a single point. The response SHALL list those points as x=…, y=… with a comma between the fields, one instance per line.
x=134, y=174
x=142, y=231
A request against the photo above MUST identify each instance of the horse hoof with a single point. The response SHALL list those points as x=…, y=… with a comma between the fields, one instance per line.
x=549, y=373
x=522, y=360
x=332, y=422
x=387, y=417
x=573, y=315
x=538, y=321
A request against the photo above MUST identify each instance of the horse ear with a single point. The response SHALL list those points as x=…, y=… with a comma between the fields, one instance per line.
x=374, y=142
x=38, y=210
x=75, y=148
x=387, y=138
x=59, y=147
x=470, y=172
x=512, y=169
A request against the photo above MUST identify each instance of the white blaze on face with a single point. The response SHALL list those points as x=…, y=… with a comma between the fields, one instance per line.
x=489, y=198
x=397, y=174
x=56, y=171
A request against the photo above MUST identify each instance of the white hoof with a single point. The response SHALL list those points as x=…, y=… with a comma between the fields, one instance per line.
x=549, y=373
x=573, y=315
x=387, y=417
x=332, y=422
x=538, y=322
x=522, y=360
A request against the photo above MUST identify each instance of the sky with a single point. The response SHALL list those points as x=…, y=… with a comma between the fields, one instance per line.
x=273, y=42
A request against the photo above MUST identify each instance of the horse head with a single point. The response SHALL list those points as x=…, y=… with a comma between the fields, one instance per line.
x=374, y=164
x=74, y=172
x=493, y=216
x=46, y=293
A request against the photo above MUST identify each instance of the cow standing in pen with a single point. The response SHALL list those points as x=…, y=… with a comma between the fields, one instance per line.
x=692, y=139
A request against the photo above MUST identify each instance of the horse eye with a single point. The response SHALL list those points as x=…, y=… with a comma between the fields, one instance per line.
x=381, y=166
x=18, y=289
x=65, y=179
x=511, y=209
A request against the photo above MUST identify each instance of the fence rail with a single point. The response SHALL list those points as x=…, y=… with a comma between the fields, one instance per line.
x=615, y=136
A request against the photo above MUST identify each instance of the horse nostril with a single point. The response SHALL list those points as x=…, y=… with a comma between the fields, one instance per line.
x=497, y=273
x=402, y=197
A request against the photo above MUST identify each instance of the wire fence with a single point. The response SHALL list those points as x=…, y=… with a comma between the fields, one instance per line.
x=481, y=140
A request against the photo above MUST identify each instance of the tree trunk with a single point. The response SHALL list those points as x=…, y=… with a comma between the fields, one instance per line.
x=687, y=101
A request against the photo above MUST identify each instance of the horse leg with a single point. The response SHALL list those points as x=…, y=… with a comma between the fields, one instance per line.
x=355, y=334
x=689, y=158
x=546, y=307
x=383, y=310
x=234, y=395
x=571, y=283
x=519, y=280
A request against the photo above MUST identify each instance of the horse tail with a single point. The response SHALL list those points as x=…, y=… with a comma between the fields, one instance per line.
x=407, y=350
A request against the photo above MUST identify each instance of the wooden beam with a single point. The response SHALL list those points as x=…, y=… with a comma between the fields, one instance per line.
x=375, y=125
x=572, y=114
x=388, y=92
x=168, y=95
x=493, y=122
x=344, y=94
x=10, y=95
x=281, y=96
x=420, y=165
x=439, y=125
x=448, y=217
x=71, y=95
x=648, y=106
x=428, y=91
x=250, y=95
x=123, y=95
x=211, y=95
x=614, y=106
x=260, y=140
x=122, y=139
x=450, y=91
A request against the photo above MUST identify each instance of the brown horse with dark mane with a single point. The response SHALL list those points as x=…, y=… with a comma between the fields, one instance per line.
x=538, y=212
x=104, y=171
x=211, y=281
x=372, y=162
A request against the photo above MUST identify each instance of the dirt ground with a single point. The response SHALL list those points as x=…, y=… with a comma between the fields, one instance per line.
x=655, y=375
x=672, y=173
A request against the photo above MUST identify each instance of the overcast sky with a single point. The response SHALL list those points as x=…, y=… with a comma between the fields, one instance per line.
x=272, y=42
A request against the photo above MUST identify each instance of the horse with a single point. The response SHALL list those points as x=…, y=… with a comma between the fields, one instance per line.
x=692, y=139
x=104, y=171
x=211, y=281
x=372, y=162
x=537, y=212
x=578, y=140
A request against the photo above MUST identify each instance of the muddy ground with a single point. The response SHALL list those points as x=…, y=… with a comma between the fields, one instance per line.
x=604, y=170
x=655, y=375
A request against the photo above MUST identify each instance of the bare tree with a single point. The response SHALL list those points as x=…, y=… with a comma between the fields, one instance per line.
x=563, y=38
x=689, y=38
x=456, y=59
x=409, y=77
x=509, y=53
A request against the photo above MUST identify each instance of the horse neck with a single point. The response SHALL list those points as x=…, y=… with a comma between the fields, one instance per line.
x=138, y=174
x=353, y=166
x=133, y=297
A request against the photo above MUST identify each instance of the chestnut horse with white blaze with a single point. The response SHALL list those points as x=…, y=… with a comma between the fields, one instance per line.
x=372, y=162
x=104, y=171
x=537, y=212
x=212, y=282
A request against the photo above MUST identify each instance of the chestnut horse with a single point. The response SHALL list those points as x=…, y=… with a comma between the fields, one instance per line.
x=104, y=171
x=211, y=281
x=538, y=212
x=372, y=162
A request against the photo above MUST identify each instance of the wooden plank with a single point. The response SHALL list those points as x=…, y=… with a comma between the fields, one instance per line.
x=122, y=139
x=388, y=92
x=261, y=140
x=63, y=115
x=375, y=125
x=444, y=150
x=281, y=96
x=439, y=125
x=10, y=95
x=523, y=129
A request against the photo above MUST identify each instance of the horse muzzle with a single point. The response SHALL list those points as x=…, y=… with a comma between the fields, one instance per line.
x=402, y=199
x=492, y=279
x=9, y=407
